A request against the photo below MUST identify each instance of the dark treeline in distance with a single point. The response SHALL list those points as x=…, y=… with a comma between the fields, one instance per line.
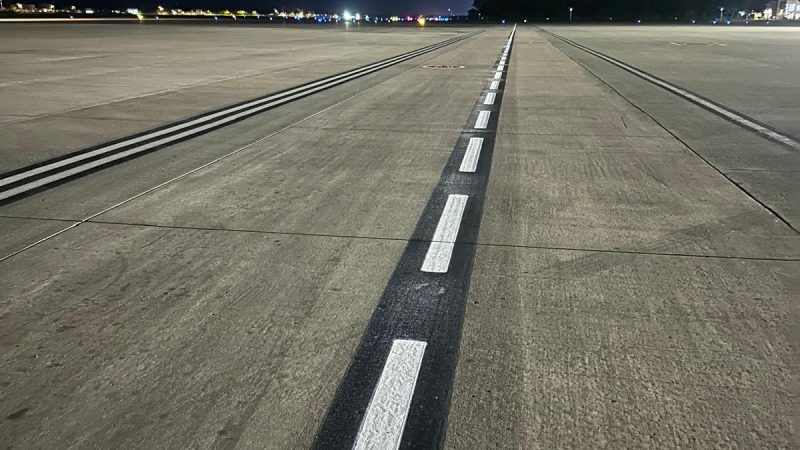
x=603, y=10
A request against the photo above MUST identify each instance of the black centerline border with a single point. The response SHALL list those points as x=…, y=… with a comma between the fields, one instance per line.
x=423, y=306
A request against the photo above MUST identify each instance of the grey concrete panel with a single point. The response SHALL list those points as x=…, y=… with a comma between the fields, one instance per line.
x=751, y=70
x=146, y=73
x=725, y=145
x=623, y=199
x=93, y=193
x=17, y=233
x=307, y=181
x=584, y=349
x=124, y=336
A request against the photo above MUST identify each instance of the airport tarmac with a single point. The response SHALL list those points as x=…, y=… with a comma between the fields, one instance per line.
x=498, y=241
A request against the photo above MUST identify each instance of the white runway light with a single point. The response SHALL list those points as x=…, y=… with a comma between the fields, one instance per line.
x=437, y=260
x=382, y=427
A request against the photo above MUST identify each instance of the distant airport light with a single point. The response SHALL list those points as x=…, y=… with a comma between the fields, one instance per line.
x=421, y=21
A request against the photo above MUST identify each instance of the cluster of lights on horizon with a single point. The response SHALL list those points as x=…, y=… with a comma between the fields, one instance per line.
x=346, y=16
x=297, y=14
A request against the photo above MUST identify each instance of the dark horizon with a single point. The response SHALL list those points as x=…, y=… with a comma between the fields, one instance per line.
x=662, y=10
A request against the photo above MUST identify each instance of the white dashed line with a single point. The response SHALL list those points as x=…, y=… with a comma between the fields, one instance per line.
x=501, y=66
x=437, y=260
x=489, y=98
x=470, y=162
x=495, y=85
x=382, y=427
x=483, y=120
x=498, y=75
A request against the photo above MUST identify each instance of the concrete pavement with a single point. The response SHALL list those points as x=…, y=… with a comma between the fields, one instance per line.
x=68, y=87
x=624, y=292
x=352, y=179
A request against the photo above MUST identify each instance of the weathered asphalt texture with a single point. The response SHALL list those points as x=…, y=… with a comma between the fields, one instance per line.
x=624, y=292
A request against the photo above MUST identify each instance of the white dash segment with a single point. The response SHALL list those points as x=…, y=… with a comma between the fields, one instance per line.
x=382, y=427
x=489, y=100
x=501, y=66
x=495, y=85
x=437, y=260
x=470, y=162
x=498, y=75
x=483, y=120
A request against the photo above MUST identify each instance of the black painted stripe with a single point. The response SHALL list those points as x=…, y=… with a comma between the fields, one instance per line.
x=297, y=92
x=422, y=306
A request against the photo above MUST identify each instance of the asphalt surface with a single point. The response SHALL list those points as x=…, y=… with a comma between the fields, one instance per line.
x=626, y=274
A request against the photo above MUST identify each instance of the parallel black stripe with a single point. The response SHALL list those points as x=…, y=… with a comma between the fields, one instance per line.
x=282, y=97
x=421, y=306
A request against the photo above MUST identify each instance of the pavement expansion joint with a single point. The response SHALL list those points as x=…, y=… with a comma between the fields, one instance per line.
x=458, y=242
x=50, y=219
